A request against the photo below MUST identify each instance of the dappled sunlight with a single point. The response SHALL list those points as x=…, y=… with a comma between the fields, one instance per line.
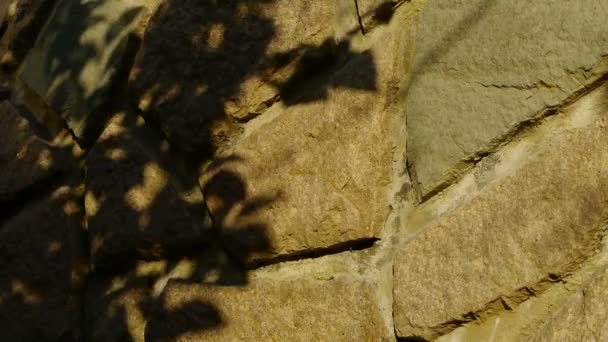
x=27, y=295
x=45, y=161
x=199, y=76
x=140, y=197
x=72, y=66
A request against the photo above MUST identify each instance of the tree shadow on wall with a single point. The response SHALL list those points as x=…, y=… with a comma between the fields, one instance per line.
x=193, y=79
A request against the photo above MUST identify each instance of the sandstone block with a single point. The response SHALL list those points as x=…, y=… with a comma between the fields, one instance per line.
x=483, y=67
x=276, y=305
x=584, y=317
x=20, y=23
x=528, y=214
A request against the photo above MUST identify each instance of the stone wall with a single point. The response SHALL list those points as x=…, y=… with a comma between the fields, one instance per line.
x=369, y=170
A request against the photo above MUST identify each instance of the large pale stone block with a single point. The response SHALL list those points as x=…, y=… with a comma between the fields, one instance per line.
x=483, y=67
x=20, y=23
x=309, y=301
x=528, y=214
x=42, y=251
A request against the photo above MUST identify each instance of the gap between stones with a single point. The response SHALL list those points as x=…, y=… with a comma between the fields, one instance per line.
x=353, y=245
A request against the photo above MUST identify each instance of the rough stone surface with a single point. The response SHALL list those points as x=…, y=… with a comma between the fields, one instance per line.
x=203, y=66
x=76, y=56
x=314, y=174
x=531, y=217
x=584, y=317
x=25, y=160
x=41, y=251
x=20, y=23
x=135, y=204
x=482, y=67
x=293, y=302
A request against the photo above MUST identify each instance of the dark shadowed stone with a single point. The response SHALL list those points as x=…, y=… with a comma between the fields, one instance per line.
x=135, y=205
x=76, y=56
x=482, y=67
x=530, y=214
x=26, y=161
x=42, y=252
x=120, y=302
x=313, y=300
x=206, y=65
x=315, y=171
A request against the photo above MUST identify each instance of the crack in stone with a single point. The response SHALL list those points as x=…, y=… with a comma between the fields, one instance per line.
x=540, y=84
x=352, y=245
x=361, y=27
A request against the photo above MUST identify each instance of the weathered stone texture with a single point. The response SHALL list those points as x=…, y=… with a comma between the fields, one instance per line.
x=534, y=216
x=72, y=64
x=482, y=67
x=135, y=205
x=25, y=160
x=276, y=305
x=317, y=173
x=203, y=66
x=20, y=23
x=41, y=258
x=584, y=317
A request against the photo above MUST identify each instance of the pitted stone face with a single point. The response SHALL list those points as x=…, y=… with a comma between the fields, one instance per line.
x=76, y=56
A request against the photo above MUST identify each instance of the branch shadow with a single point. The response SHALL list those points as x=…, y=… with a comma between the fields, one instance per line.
x=140, y=239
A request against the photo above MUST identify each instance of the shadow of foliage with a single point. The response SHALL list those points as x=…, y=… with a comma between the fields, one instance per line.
x=190, y=84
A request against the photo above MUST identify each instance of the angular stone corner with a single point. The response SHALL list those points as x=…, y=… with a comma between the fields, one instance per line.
x=25, y=160
x=483, y=67
x=203, y=67
x=76, y=56
x=529, y=214
x=137, y=203
x=42, y=257
x=315, y=174
x=308, y=301
x=584, y=317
